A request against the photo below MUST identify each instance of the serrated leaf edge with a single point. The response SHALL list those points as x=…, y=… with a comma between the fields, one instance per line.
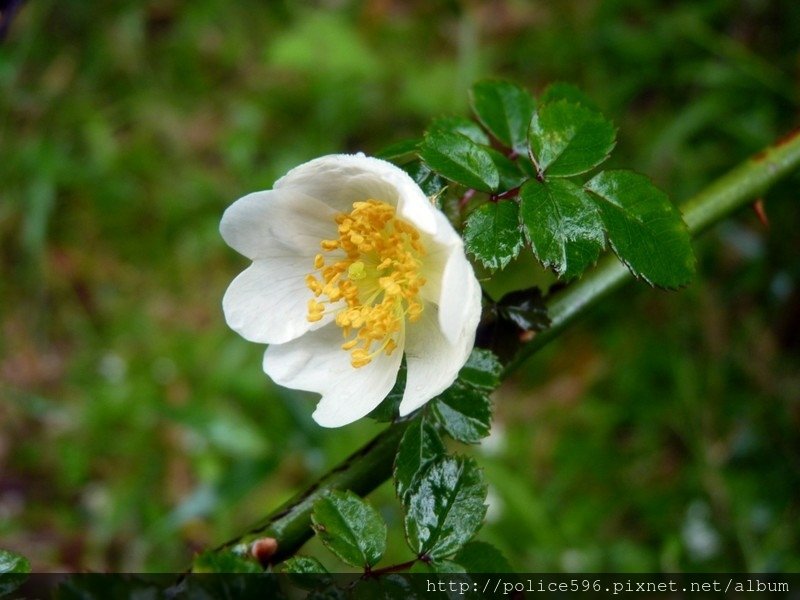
x=346, y=493
x=636, y=274
x=544, y=170
x=451, y=501
x=503, y=262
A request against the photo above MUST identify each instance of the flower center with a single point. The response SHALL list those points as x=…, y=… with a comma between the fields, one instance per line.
x=370, y=279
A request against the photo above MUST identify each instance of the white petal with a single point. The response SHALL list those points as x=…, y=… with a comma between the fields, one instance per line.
x=433, y=362
x=316, y=363
x=446, y=235
x=277, y=223
x=449, y=278
x=267, y=302
x=460, y=297
x=338, y=180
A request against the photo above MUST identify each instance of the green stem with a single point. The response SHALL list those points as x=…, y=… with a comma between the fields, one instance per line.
x=290, y=524
x=370, y=466
x=728, y=193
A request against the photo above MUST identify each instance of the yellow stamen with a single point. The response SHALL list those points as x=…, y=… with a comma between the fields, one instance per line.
x=373, y=279
x=329, y=245
x=315, y=310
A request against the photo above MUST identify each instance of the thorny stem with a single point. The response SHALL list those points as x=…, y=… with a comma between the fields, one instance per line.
x=290, y=524
x=370, y=466
x=736, y=188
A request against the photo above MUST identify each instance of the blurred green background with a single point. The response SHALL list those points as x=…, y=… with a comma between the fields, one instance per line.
x=663, y=433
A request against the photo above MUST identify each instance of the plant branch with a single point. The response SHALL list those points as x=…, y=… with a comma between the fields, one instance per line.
x=290, y=524
x=733, y=190
x=370, y=466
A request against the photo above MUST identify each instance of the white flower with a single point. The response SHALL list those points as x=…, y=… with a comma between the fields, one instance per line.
x=352, y=267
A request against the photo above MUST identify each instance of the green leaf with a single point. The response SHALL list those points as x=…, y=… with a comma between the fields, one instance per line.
x=644, y=229
x=562, y=224
x=511, y=176
x=566, y=91
x=448, y=566
x=464, y=412
x=419, y=448
x=480, y=557
x=459, y=159
x=482, y=370
x=14, y=570
x=527, y=167
x=11, y=562
x=304, y=564
x=492, y=233
x=445, y=507
x=306, y=572
x=350, y=528
x=505, y=109
x=400, y=152
x=568, y=139
x=512, y=321
x=430, y=182
x=224, y=562
x=525, y=308
x=464, y=126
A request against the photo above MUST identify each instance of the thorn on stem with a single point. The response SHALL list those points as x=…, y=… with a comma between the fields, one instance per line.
x=761, y=213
